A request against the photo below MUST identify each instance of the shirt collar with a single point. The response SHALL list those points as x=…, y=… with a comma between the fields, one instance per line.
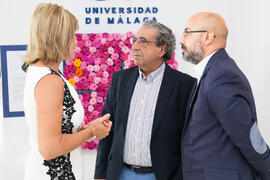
x=199, y=68
x=152, y=75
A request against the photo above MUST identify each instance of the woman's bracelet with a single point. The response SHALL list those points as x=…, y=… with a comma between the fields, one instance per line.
x=94, y=137
x=85, y=135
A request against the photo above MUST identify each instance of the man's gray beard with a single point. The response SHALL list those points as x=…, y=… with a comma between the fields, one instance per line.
x=193, y=57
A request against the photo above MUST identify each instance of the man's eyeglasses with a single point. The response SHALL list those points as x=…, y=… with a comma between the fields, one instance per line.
x=186, y=32
x=142, y=41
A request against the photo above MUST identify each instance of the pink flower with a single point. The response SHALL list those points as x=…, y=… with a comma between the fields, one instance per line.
x=129, y=34
x=90, y=108
x=80, y=97
x=83, y=79
x=91, y=56
x=173, y=64
x=77, y=50
x=100, y=73
x=85, y=51
x=117, y=49
x=101, y=93
x=80, y=44
x=125, y=49
x=110, y=37
x=96, y=43
x=90, y=68
x=103, y=40
x=99, y=36
x=93, y=87
x=110, y=50
x=110, y=69
x=103, y=67
x=96, y=68
x=76, y=79
x=78, y=37
x=98, y=107
x=86, y=96
x=84, y=146
x=132, y=64
x=69, y=62
x=104, y=80
x=79, y=86
x=66, y=69
x=97, y=80
x=72, y=68
x=128, y=43
x=117, y=36
x=92, y=145
x=100, y=87
x=85, y=37
x=105, y=74
x=92, y=49
x=78, y=55
x=71, y=74
x=109, y=61
x=103, y=61
x=121, y=44
x=103, y=48
x=115, y=56
x=105, y=35
x=95, y=113
x=85, y=103
x=85, y=73
x=117, y=62
x=94, y=94
x=98, y=53
x=88, y=43
x=99, y=99
x=105, y=55
x=92, y=36
x=83, y=65
x=92, y=75
x=97, y=61
x=93, y=101
x=117, y=68
x=115, y=44
x=130, y=57
x=123, y=37
x=123, y=56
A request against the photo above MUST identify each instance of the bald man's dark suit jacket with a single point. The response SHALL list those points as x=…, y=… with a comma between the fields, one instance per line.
x=165, y=145
x=221, y=140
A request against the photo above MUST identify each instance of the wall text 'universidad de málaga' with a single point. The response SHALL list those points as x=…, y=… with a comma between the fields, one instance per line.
x=119, y=15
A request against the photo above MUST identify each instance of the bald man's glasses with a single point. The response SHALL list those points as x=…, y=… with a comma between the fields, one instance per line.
x=186, y=32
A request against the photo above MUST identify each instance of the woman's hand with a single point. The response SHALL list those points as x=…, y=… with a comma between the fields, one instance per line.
x=101, y=126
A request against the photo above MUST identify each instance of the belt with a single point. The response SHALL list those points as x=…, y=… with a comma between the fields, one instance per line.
x=139, y=169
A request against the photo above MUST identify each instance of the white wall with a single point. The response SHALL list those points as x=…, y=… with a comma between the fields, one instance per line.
x=248, y=44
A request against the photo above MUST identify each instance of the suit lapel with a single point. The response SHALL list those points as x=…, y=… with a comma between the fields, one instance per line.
x=163, y=97
x=196, y=89
x=128, y=91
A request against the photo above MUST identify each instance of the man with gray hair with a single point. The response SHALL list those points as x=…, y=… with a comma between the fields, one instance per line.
x=147, y=104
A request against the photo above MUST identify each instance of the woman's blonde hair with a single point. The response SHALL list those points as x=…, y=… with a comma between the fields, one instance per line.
x=51, y=33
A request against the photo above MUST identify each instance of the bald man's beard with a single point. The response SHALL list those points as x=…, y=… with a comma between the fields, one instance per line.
x=194, y=55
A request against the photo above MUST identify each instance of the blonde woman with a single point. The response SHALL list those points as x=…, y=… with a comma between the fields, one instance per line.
x=53, y=110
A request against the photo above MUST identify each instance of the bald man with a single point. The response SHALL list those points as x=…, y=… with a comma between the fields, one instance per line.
x=221, y=139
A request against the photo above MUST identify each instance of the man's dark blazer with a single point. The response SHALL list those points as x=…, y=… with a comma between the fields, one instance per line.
x=165, y=145
x=221, y=140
